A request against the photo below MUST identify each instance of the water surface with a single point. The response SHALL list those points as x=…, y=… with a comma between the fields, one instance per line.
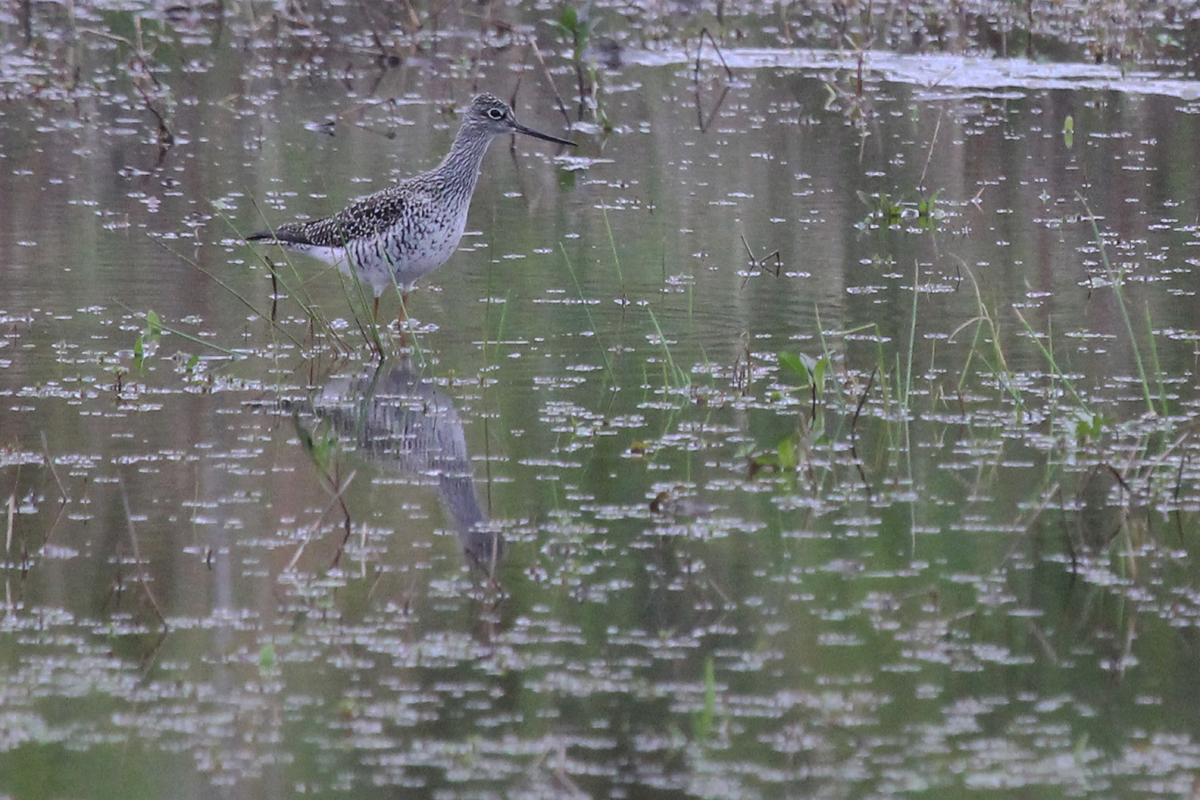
x=797, y=436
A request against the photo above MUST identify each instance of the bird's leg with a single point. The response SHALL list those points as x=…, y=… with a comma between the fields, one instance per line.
x=402, y=316
x=402, y=320
x=376, y=317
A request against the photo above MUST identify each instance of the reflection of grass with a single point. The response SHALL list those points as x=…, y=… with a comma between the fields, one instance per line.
x=587, y=310
x=188, y=365
x=1091, y=451
x=144, y=80
x=702, y=722
x=673, y=373
x=987, y=349
x=986, y=330
x=364, y=305
x=322, y=446
x=318, y=323
x=921, y=214
x=1116, y=279
x=612, y=243
x=1044, y=409
x=1088, y=423
x=906, y=399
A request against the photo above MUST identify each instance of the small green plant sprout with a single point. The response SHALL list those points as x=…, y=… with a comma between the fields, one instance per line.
x=192, y=369
x=882, y=208
x=321, y=445
x=927, y=211
x=268, y=667
x=1068, y=131
x=576, y=28
x=782, y=459
x=1088, y=425
x=147, y=341
x=702, y=722
x=806, y=366
x=788, y=461
x=886, y=211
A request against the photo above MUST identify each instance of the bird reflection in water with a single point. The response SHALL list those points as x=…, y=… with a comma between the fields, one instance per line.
x=397, y=418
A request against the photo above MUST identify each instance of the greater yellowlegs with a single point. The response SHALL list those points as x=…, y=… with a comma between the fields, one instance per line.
x=396, y=236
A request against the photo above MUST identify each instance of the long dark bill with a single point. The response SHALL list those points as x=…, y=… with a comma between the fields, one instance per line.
x=539, y=135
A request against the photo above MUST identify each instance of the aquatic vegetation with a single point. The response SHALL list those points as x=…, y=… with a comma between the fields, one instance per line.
x=764, y=447
x=149, y=336
x=921, y=214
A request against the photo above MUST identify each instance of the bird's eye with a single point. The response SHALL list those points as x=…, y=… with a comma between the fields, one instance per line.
x=495, y=113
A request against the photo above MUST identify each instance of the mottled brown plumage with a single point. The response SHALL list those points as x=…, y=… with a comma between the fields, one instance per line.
x=396, y=236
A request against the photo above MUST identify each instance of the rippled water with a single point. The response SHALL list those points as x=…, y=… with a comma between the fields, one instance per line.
x=801, y=436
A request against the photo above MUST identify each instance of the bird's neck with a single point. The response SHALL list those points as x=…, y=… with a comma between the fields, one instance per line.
x=461, y=165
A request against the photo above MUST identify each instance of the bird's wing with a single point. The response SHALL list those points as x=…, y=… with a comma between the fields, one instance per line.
x=364, y=217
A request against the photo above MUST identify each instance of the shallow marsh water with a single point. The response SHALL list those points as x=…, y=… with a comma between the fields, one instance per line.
x=597, y=534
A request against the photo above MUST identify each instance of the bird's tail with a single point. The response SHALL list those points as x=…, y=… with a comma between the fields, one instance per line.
x=279, y=235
